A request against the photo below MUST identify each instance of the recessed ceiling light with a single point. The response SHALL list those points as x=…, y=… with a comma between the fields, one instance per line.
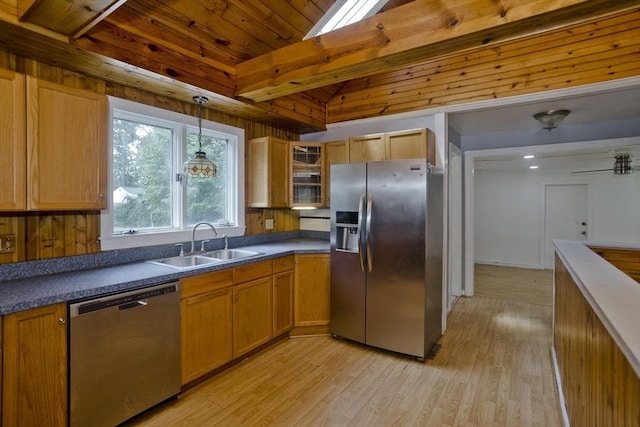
x=528, y=156
x=533, y=167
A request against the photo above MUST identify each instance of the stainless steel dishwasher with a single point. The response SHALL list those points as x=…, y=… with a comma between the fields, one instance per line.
x=124, y=354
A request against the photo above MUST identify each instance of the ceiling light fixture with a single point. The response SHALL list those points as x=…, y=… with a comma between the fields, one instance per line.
x=552, y=118
x=200, y=166
x=533, y=167
x=528, y=156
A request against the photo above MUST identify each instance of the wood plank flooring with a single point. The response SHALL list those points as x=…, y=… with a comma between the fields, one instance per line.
x=519, y=284
x=493, y=369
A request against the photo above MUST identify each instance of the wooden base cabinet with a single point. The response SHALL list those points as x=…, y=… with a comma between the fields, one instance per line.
x=252, y=315
x=35, y=368
x=283, y=276
x=311, y=290
x=206, y=326
x=206, y=333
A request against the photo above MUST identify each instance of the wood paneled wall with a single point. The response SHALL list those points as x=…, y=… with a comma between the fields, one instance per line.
x=625, y=260
x=283, y=220
x=599, y=385
x=46, y=235
x=599, y=51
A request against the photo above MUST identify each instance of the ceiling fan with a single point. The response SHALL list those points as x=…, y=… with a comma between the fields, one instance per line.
x=621, y=166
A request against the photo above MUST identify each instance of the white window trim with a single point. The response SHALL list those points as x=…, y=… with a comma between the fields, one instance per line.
x=236, y=164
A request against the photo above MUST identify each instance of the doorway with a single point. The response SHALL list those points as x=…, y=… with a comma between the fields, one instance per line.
x=565, y=216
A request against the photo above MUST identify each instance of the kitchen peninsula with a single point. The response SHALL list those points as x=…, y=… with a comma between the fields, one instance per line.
x=596, y=344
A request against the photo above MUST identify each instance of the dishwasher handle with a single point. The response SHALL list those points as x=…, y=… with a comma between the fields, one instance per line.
x=135, y=304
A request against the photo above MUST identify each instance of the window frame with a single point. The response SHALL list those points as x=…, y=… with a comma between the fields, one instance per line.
x=184, y=124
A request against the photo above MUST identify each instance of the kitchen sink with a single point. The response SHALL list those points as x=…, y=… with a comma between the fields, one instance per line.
x=204, y=259
x=186, y=262
x=230, y=254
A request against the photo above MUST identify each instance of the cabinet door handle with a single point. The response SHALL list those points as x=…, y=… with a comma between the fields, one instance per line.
x=62, y=321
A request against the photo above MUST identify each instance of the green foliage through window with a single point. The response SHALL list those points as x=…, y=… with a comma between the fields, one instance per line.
x=147, y=159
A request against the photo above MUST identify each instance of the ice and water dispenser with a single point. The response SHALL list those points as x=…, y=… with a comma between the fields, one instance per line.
x=347, y=233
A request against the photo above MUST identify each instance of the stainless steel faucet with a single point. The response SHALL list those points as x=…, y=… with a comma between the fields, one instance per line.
x=193, y=233
x=226, y=242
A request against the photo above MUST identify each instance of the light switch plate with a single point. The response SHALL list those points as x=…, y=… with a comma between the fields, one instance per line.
x=7, y=243
x=268, y=224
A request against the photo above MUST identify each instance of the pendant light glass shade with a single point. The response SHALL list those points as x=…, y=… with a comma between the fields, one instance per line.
x=200, y=166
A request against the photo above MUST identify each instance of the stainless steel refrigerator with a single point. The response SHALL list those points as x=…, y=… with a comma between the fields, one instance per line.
x=386, y=255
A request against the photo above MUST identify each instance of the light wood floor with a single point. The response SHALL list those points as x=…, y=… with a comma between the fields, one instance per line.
x=493, y=369
x=518, y=284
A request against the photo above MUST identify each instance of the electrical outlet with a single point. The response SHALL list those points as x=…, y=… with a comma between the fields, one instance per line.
x=268, y=224
x=7, y=243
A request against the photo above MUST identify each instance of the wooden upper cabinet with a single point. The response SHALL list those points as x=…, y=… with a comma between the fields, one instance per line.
x=268, y=184
x=12, y=141
x=411, y=144
x=307, y=170
x=66, y=147
x=335, y=152
x=367, y=148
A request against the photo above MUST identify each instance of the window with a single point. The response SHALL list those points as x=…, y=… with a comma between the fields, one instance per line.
x=343, y=13
x=152, y=200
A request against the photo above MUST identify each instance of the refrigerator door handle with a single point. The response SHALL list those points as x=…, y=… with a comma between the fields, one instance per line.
x=368, y=233
x=360, y=219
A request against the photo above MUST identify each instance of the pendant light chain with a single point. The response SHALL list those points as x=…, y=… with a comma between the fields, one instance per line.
x=200, y=166
x=199, y=127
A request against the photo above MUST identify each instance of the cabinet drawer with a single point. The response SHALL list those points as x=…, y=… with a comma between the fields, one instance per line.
x=207, y=282
x=283, y=264
x=252, y=271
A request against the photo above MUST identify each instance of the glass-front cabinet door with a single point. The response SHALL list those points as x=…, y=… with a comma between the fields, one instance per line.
x=307, y=165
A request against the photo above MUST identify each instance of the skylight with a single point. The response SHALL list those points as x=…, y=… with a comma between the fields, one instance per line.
x=343, y=13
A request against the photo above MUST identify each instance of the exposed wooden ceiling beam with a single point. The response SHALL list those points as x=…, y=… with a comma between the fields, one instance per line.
x=411, y=33
x=67, y=17
x=99, y=18
x=33, y=42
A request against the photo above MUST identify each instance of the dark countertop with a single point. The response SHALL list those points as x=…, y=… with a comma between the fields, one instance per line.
x=23, y=294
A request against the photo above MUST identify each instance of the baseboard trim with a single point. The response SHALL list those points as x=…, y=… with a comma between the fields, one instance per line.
x=556, y=374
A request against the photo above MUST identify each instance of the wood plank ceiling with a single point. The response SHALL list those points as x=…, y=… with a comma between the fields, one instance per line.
x=249, y=56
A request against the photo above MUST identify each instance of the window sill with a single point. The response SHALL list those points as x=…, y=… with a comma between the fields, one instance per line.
x=126, y=241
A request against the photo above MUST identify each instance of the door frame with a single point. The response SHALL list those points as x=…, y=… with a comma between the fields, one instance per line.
x=469, y=192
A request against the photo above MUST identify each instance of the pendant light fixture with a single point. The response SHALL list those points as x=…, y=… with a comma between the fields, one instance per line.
x=200, y=166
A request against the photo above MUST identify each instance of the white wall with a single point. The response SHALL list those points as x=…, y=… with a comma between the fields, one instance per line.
x=506, y=218
x=509, y=212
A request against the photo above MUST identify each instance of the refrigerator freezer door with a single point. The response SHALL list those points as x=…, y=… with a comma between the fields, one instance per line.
x=348, y=185
x=395, y=296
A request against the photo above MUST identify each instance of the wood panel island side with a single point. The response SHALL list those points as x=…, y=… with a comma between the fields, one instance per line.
x=596, y=335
